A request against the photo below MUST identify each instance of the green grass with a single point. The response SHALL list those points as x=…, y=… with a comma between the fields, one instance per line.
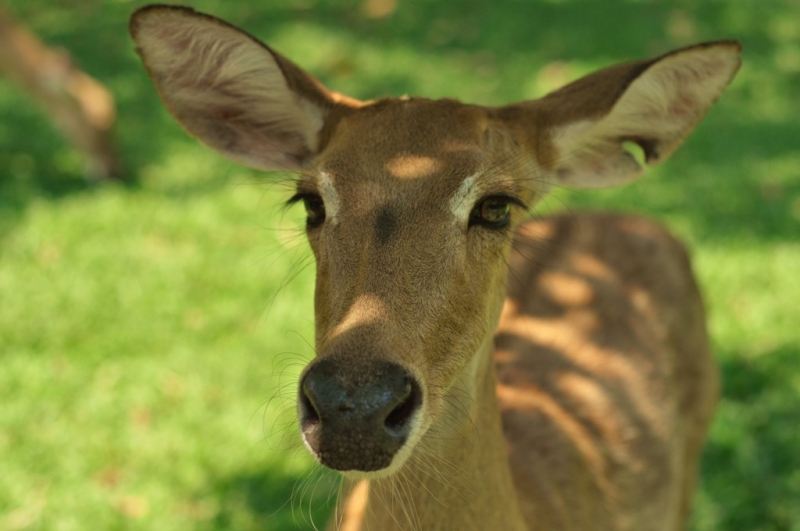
x=150, y=332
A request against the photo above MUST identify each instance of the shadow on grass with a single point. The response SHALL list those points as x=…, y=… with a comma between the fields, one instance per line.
x=272, y=499
x=751, y=465
x=740, y=195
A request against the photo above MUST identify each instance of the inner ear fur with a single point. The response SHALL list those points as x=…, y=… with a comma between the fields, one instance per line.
x=232, y=92
x=578, y=132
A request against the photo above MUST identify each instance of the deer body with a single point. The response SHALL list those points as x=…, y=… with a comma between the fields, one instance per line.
x=602, y=353
x=589, y=407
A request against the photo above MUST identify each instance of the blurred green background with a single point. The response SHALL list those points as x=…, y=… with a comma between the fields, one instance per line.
x=151, y=332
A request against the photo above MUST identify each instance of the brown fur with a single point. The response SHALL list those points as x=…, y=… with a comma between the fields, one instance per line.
x=591, y=410
x=605, y=378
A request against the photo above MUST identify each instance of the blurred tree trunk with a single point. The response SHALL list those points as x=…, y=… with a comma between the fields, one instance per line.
x=78, y=104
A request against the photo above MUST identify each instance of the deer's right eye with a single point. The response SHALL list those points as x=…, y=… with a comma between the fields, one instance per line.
x=315, y=208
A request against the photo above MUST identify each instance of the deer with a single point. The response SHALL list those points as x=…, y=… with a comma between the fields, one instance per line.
x=475, y=367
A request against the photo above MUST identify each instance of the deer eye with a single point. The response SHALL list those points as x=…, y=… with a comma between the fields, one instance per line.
x=492, y=212
x=315, y=208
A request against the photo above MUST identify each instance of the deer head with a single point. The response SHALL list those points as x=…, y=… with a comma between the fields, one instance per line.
x=411, y=205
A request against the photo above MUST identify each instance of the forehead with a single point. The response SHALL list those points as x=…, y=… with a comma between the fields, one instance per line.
x=407, y=146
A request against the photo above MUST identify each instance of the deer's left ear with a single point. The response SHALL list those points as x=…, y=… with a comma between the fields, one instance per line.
x=582, y=127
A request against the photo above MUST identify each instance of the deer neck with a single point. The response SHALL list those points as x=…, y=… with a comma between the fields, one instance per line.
x=458, y=476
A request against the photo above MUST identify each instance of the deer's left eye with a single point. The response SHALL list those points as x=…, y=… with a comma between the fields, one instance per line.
x=493, y=212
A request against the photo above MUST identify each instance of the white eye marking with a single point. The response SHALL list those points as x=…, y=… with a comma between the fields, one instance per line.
x=329, y=197
x=464, y=199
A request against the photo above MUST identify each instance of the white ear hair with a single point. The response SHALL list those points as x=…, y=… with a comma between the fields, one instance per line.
x=659, y=106
x=228, y=89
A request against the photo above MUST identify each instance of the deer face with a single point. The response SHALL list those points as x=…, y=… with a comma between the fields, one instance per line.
x=412, y=207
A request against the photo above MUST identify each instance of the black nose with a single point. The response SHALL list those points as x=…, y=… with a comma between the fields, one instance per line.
x=356, y=417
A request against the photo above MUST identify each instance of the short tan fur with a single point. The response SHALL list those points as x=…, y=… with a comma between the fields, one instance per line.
x=474, y=370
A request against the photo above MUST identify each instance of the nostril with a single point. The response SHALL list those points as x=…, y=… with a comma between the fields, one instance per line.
x=310, y=412
x=398, y=418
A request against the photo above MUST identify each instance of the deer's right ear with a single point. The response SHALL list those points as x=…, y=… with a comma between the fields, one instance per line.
x=231, y=91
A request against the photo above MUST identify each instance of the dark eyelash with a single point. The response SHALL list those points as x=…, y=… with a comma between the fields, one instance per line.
x=300, y=196
x=510, y=198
